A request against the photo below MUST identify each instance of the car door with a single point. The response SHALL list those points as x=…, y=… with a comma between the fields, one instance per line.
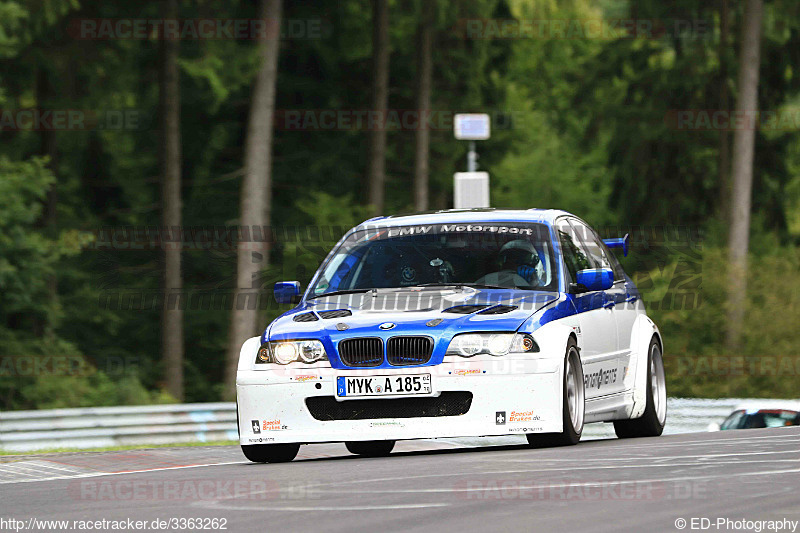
x=622, y=298
x=603, y=368
x=628, y=304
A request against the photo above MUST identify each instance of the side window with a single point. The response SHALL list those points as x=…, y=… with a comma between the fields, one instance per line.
x=574, y=256
x=619, y=273
x=594, y=248
x=598, y=251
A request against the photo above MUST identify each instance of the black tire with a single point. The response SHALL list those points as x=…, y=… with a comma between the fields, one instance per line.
x=572, y=430
x=270, y=453
x=651, y=423
x=370, y=448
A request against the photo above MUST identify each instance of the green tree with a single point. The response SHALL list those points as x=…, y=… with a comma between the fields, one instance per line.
x=376, y=151
x=172, y=314
x=256, y=197
x=743, y=156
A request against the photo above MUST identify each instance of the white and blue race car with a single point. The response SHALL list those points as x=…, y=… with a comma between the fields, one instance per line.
x=454, y=324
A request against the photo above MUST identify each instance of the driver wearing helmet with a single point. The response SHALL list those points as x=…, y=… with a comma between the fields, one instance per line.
x=519, y=266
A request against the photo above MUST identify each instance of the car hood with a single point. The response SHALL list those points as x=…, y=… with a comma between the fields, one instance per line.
x=410, y=312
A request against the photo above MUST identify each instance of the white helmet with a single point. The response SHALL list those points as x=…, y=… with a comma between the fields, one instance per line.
x=517, y=253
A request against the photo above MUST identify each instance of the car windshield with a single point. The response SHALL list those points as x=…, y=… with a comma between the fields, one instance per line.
x=507, y=255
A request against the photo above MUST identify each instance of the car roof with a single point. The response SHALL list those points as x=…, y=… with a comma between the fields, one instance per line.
x=768, y=405
x=455, y=216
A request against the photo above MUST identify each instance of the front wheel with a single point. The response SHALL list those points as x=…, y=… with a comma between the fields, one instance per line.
x=371, y=448
x=651, y=423
x=573, y=404
x=270, y=453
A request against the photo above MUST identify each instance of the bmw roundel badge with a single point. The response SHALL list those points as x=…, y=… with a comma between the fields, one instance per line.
x=386, y=325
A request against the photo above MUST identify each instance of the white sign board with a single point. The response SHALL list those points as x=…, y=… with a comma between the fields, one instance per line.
x=472, y=126
x=471, y=189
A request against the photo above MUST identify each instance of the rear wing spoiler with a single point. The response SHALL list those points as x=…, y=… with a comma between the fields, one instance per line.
x=618, y=243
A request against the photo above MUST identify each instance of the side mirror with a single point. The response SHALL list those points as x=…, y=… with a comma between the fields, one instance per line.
x=287, y=292
x=596, y=279
x=618, y=243
x=713, y=426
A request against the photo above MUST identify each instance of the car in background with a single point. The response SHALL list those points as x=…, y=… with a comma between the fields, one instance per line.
x=761, y=415
x=462, y=323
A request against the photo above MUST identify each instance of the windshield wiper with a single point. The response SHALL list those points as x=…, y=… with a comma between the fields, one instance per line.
x=454, y=284
x=337, y=293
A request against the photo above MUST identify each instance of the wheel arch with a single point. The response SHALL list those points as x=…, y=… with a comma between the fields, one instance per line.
x=644, y=329
x=574, y=337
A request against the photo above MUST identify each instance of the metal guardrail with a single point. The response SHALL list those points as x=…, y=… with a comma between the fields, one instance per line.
x=684, y=415
x=97, y=427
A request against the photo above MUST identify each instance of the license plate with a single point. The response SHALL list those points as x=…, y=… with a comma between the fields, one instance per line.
x=398, y=385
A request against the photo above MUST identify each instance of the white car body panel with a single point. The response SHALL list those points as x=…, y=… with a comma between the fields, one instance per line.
x=520, y=386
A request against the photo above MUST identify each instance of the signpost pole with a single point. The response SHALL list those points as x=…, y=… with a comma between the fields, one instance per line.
x=472, y=158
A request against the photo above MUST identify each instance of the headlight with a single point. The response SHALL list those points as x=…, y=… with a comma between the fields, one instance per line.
x=469, y=344
x=311, y=351
x=285, y=352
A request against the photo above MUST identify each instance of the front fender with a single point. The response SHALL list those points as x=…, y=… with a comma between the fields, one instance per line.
x=643, y=330
x=247, y=354
x=552, y=326
x=552, y=338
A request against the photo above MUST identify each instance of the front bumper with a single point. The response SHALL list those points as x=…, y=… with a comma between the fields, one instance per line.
x=514, y=394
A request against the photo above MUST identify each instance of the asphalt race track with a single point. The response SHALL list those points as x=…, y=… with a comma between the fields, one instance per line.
x=427, y=486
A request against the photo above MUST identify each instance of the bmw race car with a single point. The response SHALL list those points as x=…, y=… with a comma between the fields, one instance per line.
x=454, y=324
